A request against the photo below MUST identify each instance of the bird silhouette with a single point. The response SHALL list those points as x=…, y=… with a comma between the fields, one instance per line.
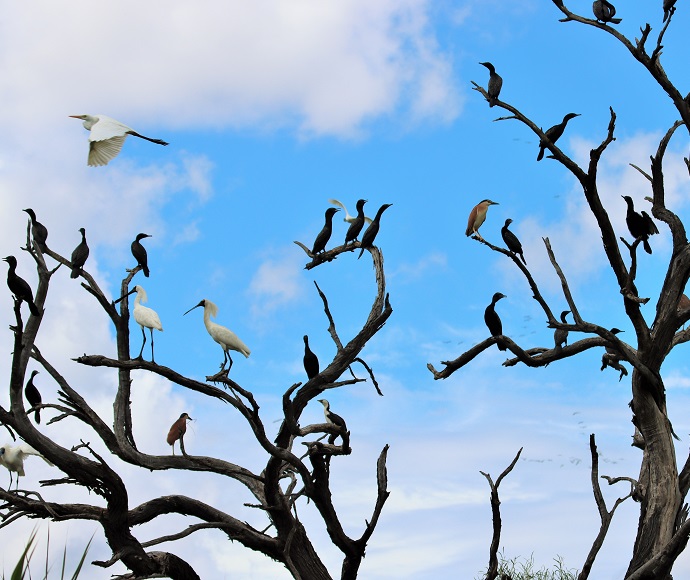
x=560, y=335
x=177, y=431
x=325, y=234
x=311, y=362
x=669, y=8
x=20, y=287
x=225, y=337
x=640, y=225
x=370, y=234
x=347, y=218
x=79, y=255
x=358, y=223
x=38, y=231
x=13, y=456
x=493, y=89
x=333, y=419
x=493, y=321
x=511, y=240
x=139, y=253
x=605, y=12
x=33, y=396
x=106, y=137
x=554, y=133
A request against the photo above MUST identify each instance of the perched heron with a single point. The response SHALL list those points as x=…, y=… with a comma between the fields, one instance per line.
x=225, y=337
x=477, y=217
x=177, y=431
x=106, y=137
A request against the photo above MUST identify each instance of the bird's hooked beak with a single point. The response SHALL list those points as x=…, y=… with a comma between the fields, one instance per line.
x=121, y=298
x=202, y=303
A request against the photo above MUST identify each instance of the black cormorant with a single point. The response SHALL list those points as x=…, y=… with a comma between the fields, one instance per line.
x=370, y=234
x=358, y=223
x=311, y=362
x=554, y=133
x=639, y=225
x=79, y=255
x=477, y=217
x=605, y=11
x=560, y=335
x=512, y=241
x=492, y=319
x=325, y=233
x=139, y=253
x=20, y=287
x=33, y=396
x=493, y=89
x=611, y=358
x=38, y=231
x=668, y=8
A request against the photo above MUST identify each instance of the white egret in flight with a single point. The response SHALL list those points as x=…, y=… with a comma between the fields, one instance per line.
x=106, y=137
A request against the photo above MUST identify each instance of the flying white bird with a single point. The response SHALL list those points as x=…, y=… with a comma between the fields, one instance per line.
x=348, y=218
x=12, y=457
x=145, y=317
x=225, y=337
x=106, y=137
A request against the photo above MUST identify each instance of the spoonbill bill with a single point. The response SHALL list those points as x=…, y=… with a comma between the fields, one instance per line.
x=106, y=137
x=177, y=431
x=20, y=287
x=225, y=337
x=12, y=457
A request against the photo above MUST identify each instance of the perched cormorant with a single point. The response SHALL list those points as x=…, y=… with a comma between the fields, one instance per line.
x=605, y=11
x=554, y=133
x=139, y=253
x=177, y=431
x=370, y=234
x=81, y=252
x=325, y=233
x=492, y=319
x=358, y=223
x=20, y=287
x=311, y=362
x=477, y=217
x=331, y=417
x=512, y=241
x=668, y=8
x=493, y=89
x=347, y=217
x=38, y=231
x=33, y=396
x=611, y=358
x=639, y=225
x=560, y=335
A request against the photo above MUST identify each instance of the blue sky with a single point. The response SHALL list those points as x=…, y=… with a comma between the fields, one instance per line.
x=271, y=108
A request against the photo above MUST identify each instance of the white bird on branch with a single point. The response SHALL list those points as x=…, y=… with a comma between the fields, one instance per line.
x=12, y=457
x=225, y=337
x=145, y=317
x=106, y=137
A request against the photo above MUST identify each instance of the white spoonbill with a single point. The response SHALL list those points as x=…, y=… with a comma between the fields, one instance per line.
x=225, y=337
x=106, y=137
x=348, y=218
x=12, y=457
x=145, y=317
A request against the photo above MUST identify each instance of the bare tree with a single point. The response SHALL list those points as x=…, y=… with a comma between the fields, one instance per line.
x=297, y=467
x=661, y=487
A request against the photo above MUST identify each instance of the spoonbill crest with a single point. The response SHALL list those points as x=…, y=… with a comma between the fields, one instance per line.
x=145, y=317
x=12, y=457
x=106, y=137
x=225, y=337
x=177, y=431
